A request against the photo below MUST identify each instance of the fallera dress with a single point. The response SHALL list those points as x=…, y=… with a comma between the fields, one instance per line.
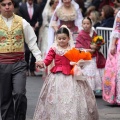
x=62, y=97
x=94, y=71
x=111, y=78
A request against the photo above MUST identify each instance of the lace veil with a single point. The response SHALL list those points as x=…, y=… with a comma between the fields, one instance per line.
x=45, y=10
x=78, y=22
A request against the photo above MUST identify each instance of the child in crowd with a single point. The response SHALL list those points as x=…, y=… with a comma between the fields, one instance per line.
x=62, y=97
x=94, y=71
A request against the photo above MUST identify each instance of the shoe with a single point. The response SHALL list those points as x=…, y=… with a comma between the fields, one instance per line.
x=32, y=74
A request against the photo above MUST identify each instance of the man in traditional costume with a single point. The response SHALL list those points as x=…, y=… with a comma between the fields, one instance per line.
x=13, y=31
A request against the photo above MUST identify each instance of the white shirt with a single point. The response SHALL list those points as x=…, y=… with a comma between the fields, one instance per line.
x=30, y=9
x=30, y=37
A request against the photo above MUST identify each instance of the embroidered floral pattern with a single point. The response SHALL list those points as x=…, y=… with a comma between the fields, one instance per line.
x=11, y=40
x=111, y=79
x=63, y=98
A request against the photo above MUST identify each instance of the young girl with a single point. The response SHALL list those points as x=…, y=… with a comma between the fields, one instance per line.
x=93, y=71
x=62, y=97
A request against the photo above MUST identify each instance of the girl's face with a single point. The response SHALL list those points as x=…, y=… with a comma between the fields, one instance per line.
x=86, y=24
x=62, y=40
x=67, y=3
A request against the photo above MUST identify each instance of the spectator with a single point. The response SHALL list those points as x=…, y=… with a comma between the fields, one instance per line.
x=107, y=15
x=32, y=14
x=89, y=10
x=95, y=17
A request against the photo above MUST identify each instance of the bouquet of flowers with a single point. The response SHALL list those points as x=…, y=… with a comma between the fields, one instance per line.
x=98, y=40
x=78, y=58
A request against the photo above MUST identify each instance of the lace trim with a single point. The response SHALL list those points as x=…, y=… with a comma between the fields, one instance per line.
x=66, y=17
x=60, y=51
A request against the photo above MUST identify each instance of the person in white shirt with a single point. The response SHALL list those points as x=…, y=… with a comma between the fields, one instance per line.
x=32, y=13
x=14, y=30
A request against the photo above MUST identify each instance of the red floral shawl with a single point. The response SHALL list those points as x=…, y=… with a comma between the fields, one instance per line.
x=83, y=41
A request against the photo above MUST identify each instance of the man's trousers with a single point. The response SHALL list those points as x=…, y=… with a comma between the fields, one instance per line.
x=13, y=101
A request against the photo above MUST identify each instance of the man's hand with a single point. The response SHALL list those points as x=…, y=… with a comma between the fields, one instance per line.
x=40, y=64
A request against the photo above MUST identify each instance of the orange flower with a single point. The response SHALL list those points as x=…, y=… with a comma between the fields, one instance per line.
x=98, y=40
x=107, y=83
x=75, y=55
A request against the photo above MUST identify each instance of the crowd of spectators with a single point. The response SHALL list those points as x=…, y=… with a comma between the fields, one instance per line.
x=103, y=9
x=101, y=12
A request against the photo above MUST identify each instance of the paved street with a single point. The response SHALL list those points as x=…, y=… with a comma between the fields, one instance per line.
x=34, y=84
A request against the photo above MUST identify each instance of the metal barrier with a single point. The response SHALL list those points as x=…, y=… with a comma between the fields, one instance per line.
x=105, y=33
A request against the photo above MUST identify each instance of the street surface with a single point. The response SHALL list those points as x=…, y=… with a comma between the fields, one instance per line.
x=34, y=84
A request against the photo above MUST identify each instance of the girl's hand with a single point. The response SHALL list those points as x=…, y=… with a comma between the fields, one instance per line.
x=113, y=50
x=40, y=64
x=92, y=50
x=93, y=46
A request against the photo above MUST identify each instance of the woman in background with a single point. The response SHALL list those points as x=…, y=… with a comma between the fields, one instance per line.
x=95, y=17
x=111, y=78
x=47, y=14
x=107, y=15
x=67, y=13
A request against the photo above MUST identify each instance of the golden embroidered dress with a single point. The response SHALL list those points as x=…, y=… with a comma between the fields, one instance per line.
x=62, y=97
x=72, y=19
x=66, y=19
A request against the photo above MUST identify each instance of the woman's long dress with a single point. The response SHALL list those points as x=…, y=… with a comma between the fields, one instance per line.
x=111, y=78
x=44, y=31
